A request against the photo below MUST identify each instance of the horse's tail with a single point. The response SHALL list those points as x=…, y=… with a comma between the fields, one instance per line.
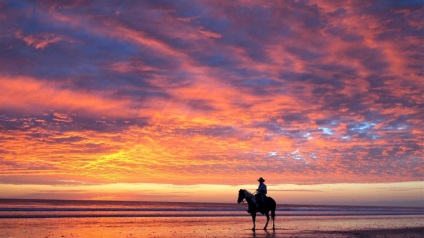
x=273, y=208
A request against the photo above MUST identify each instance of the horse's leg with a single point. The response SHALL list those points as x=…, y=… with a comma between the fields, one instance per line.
x=267, y=220
x=273, y=219
x=254, y=220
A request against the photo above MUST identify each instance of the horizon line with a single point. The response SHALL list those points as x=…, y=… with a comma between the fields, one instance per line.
x=181, y=202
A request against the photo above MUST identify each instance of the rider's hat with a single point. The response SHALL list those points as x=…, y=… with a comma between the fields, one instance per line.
x=261, y=179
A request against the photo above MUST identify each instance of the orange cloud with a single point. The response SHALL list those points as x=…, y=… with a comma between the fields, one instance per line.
x=300, y=94
x=29, y=95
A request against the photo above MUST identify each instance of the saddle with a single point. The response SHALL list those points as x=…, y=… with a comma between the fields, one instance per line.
x=261, y=201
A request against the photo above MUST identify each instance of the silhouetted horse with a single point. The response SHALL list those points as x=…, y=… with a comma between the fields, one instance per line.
x=269, y=205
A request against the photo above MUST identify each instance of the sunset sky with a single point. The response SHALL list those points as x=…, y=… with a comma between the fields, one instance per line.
x=193, y=100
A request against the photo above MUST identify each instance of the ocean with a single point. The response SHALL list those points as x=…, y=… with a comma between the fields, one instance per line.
x=29, y=208
x=112, y=219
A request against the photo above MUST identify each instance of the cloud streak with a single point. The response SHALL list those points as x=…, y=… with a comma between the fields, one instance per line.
x=185, y=93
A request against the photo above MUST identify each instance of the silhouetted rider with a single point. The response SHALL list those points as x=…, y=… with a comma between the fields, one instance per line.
x=261, y=193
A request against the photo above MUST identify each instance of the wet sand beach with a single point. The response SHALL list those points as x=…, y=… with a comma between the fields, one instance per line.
x=349, y=226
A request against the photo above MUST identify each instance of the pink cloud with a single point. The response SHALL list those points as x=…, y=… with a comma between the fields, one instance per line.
x=39, y=41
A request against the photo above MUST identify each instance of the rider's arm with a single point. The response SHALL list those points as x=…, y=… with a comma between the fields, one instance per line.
x=262, y=189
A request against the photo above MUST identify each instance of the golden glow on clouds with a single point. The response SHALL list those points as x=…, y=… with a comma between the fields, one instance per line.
x=301, y=93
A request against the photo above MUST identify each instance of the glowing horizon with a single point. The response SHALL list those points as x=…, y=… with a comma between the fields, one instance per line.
x=304, y=93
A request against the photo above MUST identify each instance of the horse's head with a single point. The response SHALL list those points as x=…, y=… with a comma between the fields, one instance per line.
x=240, y=196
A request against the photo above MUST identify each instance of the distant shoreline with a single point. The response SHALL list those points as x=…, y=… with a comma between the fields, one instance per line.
x=45, y=208
x=179, y=202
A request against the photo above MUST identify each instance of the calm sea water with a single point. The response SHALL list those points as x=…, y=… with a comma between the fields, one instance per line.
x=13, y=208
